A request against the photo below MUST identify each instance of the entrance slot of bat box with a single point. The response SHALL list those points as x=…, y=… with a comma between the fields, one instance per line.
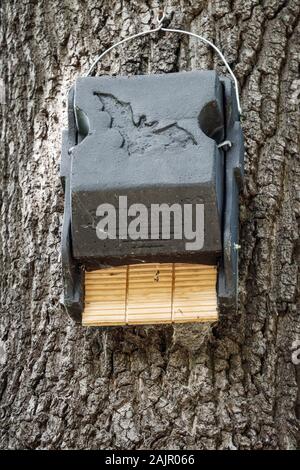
x=149, y=294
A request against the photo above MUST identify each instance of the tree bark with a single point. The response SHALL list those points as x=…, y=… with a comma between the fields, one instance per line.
x=231, y=385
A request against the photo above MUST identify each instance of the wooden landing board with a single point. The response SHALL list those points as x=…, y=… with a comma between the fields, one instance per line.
x=150, y=293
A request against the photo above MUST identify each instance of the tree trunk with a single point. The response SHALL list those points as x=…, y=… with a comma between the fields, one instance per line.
x=231, y=385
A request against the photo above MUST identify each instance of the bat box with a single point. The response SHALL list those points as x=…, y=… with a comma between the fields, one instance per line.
x=150, y=231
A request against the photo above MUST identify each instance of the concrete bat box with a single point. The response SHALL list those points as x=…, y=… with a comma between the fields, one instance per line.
x=147, y=178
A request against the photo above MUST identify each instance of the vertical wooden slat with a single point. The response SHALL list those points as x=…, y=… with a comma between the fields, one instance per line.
x=149, y=292
x=195, y=292
x=126, y=294
x=173, y=292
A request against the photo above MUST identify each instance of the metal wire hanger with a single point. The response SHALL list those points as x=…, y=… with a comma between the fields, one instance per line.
x=171, y=30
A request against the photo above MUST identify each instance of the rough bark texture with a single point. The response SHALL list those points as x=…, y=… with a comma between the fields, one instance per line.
x=231, y=385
